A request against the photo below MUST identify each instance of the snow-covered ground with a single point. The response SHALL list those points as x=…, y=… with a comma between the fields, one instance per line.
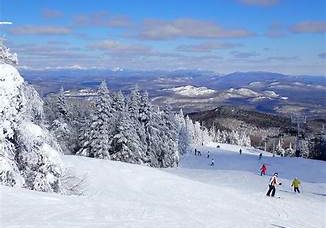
x=192, y=91
x=230, y=194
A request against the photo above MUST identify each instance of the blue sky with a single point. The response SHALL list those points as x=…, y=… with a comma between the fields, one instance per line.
x=225, y=36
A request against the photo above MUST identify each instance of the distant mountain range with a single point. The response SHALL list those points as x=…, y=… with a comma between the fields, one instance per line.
x=198, y=90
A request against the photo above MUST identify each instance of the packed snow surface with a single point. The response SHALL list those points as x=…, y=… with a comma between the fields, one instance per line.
x=229, y=194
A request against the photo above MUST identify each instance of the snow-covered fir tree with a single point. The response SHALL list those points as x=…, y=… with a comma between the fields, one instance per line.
x=138, y=118
x=126, y=145
x=183, y=134
x=119, y=102
x=170, y=154
x=62, y=105
x=29, y=155
x=62, y=125
x=6, y=56
x=97, y=144
x=279, y=148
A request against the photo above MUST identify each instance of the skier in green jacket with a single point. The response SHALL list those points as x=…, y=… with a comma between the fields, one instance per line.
x=296, y=184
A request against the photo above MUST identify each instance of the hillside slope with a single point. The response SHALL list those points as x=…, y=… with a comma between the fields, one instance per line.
x=230, y=194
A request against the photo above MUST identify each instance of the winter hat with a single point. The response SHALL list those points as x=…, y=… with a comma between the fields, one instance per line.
x=275, y=174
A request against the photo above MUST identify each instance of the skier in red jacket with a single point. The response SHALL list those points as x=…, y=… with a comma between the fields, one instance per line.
x=263, y=170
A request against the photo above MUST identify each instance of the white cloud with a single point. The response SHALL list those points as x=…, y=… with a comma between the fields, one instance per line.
x=187, y=28
x=117, y=47
x=309, y=27
x=102, y=19
x=206, y=47
x=40, y=30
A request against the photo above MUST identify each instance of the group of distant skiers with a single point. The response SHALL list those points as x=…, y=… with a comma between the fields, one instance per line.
x=273, y=182
x=198, y=153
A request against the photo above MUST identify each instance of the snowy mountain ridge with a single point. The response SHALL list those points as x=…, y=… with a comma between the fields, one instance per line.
x=192, y=91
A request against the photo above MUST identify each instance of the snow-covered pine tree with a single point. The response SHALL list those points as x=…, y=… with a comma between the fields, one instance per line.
x=145, y=114
x=62, y=106
x=289, y=151
x=6, y=56
x=119, y=102
x=154, y=144
x=29, y=156
x=212, y=133
x=134, y=107
x=62, y=124
x=169, y=136
x=134, y=103
x=198, y=136
x=84, y=137
x=190, y=129
x=98, y=144
x=126, y=145
x=183, y=134
x=35, y=108
x=144, y=108
x=279, y=149
x=206, y=138
x=218, y=136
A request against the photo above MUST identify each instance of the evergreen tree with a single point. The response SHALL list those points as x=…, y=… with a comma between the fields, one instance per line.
x=169, y=153
x=183, y=134
x=6, y=56
x=118, y=103
x=279, y=149
x=126, y=143
x=98, y=144
x=134, y=108
x=29, y=156
x=62, y=105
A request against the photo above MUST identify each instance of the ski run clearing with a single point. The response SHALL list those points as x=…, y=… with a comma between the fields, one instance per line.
x=230, y=194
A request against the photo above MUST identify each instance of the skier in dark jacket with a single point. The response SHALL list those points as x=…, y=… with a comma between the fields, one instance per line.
x=272, y=185
x=240, y=151
x=212, y=163
x=208, y=154
x=260, y=155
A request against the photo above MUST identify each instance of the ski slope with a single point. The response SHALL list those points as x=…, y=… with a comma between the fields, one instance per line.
x=230, y=194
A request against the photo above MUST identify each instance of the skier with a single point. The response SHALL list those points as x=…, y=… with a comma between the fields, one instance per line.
x=260, y=155
x=272, y=184
x=263, y=170
x=212, y=164
x=240, y=151
x=208, y=154
x=295, y=184
x=195, y=151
